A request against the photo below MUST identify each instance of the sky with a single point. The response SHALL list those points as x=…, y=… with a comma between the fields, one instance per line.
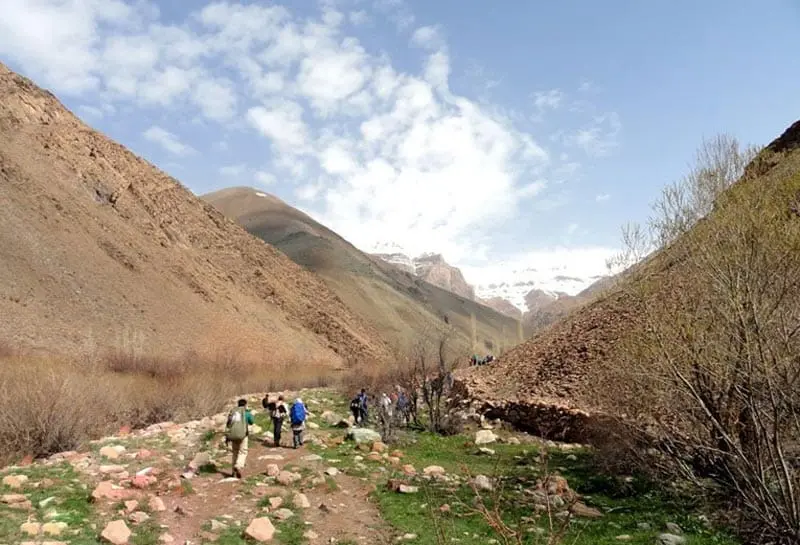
x=506, y=135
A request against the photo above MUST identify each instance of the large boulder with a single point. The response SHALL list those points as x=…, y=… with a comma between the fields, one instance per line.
x=484, y=437
x=363, y=435
x=116, y=533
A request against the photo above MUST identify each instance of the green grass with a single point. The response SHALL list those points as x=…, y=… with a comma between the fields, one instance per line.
x=625, y=504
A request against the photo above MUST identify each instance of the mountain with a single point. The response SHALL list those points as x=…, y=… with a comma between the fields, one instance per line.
x=400, y=304
x=503, y=306
x=433, y=269
x=100, y=250
x=561, y=365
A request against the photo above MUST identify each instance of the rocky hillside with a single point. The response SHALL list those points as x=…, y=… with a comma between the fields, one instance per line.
x=433, y=269
x=562, y=364
x=100, y=250
x=400, y=304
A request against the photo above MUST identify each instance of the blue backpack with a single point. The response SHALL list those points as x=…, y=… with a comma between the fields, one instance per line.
x=298, y=413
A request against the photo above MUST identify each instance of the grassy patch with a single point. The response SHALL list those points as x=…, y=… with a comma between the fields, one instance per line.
x=291, y=531
x=632, y=506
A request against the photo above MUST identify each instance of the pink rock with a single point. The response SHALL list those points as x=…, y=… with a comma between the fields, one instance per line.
x=156, y=504
x=116, y=533
x=260, y=529
x=110, y=491
x=143, y=481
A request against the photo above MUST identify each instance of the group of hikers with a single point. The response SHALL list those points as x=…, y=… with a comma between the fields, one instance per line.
x=237, y=428
x=475, y=360
x=387, y=405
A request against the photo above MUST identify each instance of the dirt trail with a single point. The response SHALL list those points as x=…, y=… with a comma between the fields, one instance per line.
x=345, y=513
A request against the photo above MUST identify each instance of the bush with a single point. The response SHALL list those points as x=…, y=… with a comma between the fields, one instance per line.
x=49, y=405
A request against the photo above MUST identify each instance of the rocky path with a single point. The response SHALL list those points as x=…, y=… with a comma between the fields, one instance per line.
x=171, y=484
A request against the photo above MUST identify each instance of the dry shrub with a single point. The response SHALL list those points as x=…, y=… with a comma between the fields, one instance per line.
x=713, y=375
x=49, y=405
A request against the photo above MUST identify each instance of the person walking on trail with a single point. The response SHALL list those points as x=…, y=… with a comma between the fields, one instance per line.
x=363, y=408
x=278, y=415
x=403, y=407
x=354, y=404
x=297, y=415
x=237, y=430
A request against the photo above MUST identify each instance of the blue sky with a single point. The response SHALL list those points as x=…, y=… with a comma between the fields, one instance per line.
x=508, y=136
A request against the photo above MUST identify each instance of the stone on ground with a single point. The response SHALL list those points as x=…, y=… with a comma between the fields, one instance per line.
x=110, y=491
x=31, y=528
x=408, y=469
x=482, y=482
x=273, y=470
x=200, y=459
x=156, y=504
x=283, y=513
x=363, y=435
x=287, y=477
x=310, y=534
x=166, y=538
x=486, y=451
x=312, y=458
x=116, y=533
x=15, y=481
x=112, y=452
x=330, y=418
x=484, y=437
x=301, y=501
x=407, y=489
x=260, y=529
x=434, y=471
x=673, y=528
x=580, y=509
x=275, y=502
x=332, y=471
x=379, y=446
x=54, y=528
x=138, y=517
x=670, y=539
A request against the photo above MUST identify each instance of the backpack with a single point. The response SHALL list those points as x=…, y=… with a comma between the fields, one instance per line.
x=237, y=424
x=354, y=405
x=278, y=411
x=298, y=414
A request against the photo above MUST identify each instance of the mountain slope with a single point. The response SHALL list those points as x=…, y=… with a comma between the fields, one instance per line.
x=562, y=364
x=100, y=250
x=402, y=306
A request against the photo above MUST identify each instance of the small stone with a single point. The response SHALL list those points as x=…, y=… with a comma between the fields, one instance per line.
x=273, y=470
x=332, y=471
x=310, y=534
x=217, y=526
x=408, y=537
x=112, y=452
x=513, y=441
x=110, y=469
x=47, y=501
x=484, y=437
x=379, y=446
x=624, y=537
x=670, y=539
x=408, y=469
x=283, y=513
x=116, y=533
x=156, y=504
x=31, y=528
x=673, y=528
x=200, y=459
x=131, y=505
x=434, y=471
x=138, y=517
x=312, y=458
x=407, y=489
x=482, y=482
x=286, y=478
x=15, y=481
x=110, y=491
x=166, y=538
x=301, y=501
x=486, y=451
x=312, y=425
x=260, y=529
x=54, y=528
x=275, y=502
x=580, y=509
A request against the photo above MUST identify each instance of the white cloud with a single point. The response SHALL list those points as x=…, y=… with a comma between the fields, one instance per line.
x=264, y=178
x=603, y=197
x=216, y=99
x=359, y=17
x=548, y=100
x=428, y=37
x=282, y=122
x=600, y=137
x=233, y=170
x=167, y=140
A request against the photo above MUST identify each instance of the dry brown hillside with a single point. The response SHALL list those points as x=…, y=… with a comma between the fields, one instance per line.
x=402, y=306
x=99, y=249
x=562, y=364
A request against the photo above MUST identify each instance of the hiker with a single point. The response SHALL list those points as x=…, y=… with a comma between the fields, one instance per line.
x=278, y=414
x=355, y=410
x=403, y=408
x=237, y=430
x=386, y=405
x=362, y=406
x=297, y=415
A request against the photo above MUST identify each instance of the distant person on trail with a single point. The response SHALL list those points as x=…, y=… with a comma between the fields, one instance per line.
x=403, y=408
x=363, y=408
x=278, y=414
x=297, y=415
x=355, y=410
x=237, y=430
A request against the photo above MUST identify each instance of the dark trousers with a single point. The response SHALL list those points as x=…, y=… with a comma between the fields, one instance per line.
x=277, y=424
x=297, y=438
